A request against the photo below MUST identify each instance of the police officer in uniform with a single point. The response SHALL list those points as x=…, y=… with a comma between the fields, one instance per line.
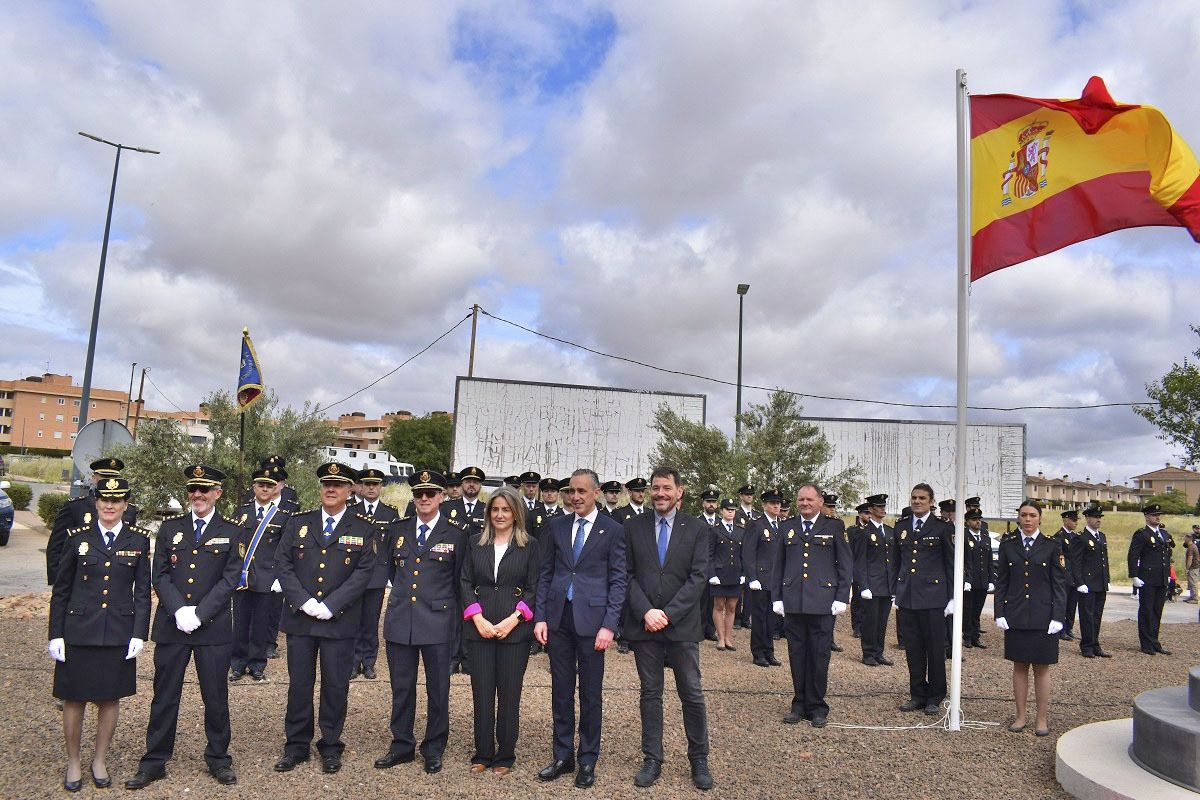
x=1150, y=567
x=324, y=561
x=196, y=568
x=545, y=509
x=758, y=560
x=637, y=498
x=425, y=608
x=258, y=589
x=467, y=511
x=1065, y=536
x=530, y=483
x=862, y=517
x=80, y=511
x=979, y=576
x=829, y=511
x=611, y=490
x=744, y=515
x=726, y=576
x=874, y=550
x=366, y=646
x=286, y=497
x=1088, y=564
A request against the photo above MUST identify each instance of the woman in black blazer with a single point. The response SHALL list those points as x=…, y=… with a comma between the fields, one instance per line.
x=1031, y=603
x=499, y=577
x=725, y=573
x=99, y=620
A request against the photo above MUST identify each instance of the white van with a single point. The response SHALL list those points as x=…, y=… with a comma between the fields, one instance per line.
x=394, y=471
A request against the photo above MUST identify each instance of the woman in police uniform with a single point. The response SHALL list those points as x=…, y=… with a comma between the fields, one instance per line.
x=1031, y=603
x=725, y=572
x=499, y=577
x=99, y=619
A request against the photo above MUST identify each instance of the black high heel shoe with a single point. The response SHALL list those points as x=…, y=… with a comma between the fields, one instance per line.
x=101, y=783
x=72, y=786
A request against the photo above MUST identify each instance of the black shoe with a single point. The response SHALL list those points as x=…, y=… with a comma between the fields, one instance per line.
x=392, y=759
x=556, y=770
x=778, y=637
x=887, y=662
x=369, y=673
x=737, y=626
x=331, y=764
x=272, y=651
x=143, y=779
x=288, y=762
x=1102, y=653
x=74, y=786
x=731, y=648
x=1158, y=648
x=100, y=783
x=258, y=677
x=701, y=777
x=712, y=637
x=235, y=675
x=932, y=710
x=1149, y=651
x=623, y=647
x=774, y=662
x=585, y=778
x=870, y=661
x=455, y=667
x=761, y=662
x=433, y=764
x=912, y=705
x=856, y=633
x=819, y=721
x=648, y=774
x=1087, y=654
x=1066, y=637
x=835, y=647
x=794, y=717
x=979, y=644
x=223, y=775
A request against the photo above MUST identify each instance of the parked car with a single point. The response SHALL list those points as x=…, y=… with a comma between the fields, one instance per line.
x=6, y=514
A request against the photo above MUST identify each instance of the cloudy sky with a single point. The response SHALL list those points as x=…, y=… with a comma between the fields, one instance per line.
x=347, y=179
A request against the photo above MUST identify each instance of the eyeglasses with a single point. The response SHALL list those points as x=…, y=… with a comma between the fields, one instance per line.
x=423, y=494
x=200, y=489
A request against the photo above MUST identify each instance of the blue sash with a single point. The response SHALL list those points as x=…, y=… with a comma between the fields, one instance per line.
x=262, y=526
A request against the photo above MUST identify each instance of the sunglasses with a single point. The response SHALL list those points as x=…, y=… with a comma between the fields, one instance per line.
x=200, y=489
x=423, y=494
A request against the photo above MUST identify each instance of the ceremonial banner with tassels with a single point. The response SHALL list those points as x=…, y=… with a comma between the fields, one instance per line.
x=250, y=382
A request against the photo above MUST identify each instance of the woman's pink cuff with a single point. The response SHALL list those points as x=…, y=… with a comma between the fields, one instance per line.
x=472, y=610
x=525, y=610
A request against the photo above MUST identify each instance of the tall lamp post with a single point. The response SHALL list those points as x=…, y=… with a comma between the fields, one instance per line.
x=741, y=290
x=91, y=351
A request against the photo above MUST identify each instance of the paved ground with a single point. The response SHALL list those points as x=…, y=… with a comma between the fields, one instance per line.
x=23, y=560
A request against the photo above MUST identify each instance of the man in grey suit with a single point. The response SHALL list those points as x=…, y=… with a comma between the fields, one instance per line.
x=667, y=554
x=580, y=592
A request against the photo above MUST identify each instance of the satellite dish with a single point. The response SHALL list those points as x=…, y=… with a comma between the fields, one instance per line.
x=96, y=437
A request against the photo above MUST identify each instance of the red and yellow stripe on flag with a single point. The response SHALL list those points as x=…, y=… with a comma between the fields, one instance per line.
x=1049, y=173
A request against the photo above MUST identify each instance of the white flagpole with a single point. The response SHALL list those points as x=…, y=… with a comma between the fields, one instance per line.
x=960, y=430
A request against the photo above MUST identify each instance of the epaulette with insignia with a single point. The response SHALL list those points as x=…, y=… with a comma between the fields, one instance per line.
x=74, y=499
x=389, y=505
x=141, y=530
x=402, y=519
x=180, y=515
x=455, y=523
x=80, y=529
x=363, y=517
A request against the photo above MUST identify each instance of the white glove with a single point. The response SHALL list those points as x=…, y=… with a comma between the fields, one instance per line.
x=57, y=649
x=865, y=594
x=895, y=603
x=1055, y=627
x=276, y=588
x=323, y=611
x=991, y=587
x=135, y=649
x=777, y=607
x=311, y=607
x=838, y=607
x=714, y=580
x=966, y=587
x=1002, y=623
x=756, y=586
x=1109, y=588
x=1138, y=583
x=1082, y=589
x=186, y=619
x=741, y=580
x=389, y=584
x=949, y=608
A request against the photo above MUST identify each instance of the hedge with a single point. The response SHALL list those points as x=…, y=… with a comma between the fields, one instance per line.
x=20, y=494
x=49, y=504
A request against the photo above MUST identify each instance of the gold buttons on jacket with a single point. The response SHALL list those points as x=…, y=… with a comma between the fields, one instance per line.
x=105, y=577
x=414, y=599
x=321, y=565
x=195, y=552
x=414, y=586
x=318, y=593
x=320, y=580
x=416, y=572
x=108, y=563
x=104, y=605
x=191, y=580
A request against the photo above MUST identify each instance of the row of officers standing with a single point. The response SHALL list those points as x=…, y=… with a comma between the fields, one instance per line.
x=332, y=564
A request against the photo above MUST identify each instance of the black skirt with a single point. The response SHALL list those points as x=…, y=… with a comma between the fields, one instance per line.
x=95, y=674
x=1031, y=646
x=725, y=590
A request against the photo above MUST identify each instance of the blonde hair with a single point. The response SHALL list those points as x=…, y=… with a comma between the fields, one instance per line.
x=509, y=495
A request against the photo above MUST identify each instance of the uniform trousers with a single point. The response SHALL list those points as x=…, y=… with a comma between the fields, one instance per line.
x=275, y=613
x=336, y=668
x=402, y=670
x=809, y=639
x=1150, y=607
x=251, y=630
x=741, y=614
x=652, y=657
x=924, y=632
x=1072, y=604
x=762, y=627
x=366, y=645
x=1091, y=611
x=170, y=664
x=497, y=675
x=575, y=657
x=875, y=613
x=973, y=602
x=856, y=609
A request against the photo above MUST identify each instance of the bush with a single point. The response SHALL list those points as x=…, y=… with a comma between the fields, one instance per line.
x=49, y=504
x=20, y=494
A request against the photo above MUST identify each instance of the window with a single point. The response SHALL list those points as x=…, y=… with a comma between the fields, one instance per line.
x=58, y=434
x=75, y=403
x=72, y=437
x=93, y=404
x=58, y=418
x=5, y=429
x=42, y=415
x=39, y=434
x=75, y=420
x=62, y=401
x=43, y=399
x=1170, y=488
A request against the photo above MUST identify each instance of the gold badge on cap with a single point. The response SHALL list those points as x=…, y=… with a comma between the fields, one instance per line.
x=333, y=469
x=83, y=548
x=198, y=471
x=424, y=477
x=112, y=483
x=112, y=462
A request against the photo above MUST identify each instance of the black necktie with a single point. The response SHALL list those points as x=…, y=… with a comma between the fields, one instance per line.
x=260, y=513
x=808, y=526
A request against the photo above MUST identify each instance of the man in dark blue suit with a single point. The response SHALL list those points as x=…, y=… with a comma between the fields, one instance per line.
x=580, y=593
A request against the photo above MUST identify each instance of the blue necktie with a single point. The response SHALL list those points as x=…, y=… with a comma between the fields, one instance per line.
x=108, y=540
x=576, y=549
x=808, y=526
x=422, y=532
x=1028, y=543
x=260, y=513
x=917, y=525
x=664, y=536
x=328, y=528
x=199, y=527
x=775, y=525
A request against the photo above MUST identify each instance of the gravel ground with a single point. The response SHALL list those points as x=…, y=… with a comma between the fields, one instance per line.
x=753, y=755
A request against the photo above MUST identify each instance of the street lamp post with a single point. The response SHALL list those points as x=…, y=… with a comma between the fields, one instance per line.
x=91, y=351
x=741, y=290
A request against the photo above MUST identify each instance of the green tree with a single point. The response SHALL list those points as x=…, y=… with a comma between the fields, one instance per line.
x=780, y=449
x=423, y=442
x=1172, y=502
x=1177, y=410
x=154, y=465
x=700, y=452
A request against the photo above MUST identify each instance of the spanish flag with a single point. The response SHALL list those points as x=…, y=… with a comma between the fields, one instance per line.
x=250, y=382
x=1049, y=173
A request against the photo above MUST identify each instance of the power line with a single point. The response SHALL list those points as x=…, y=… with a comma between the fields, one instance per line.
x=803, y=394
x=160, y=391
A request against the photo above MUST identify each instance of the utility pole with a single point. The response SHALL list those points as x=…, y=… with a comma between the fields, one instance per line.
x=474, y=325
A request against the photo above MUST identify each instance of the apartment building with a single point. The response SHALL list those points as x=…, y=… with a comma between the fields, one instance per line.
x=43, y=410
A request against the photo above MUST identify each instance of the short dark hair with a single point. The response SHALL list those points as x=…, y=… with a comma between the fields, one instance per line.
x=926, y=488
x=666, y=472
x=1031, y=504
x=590, y=473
